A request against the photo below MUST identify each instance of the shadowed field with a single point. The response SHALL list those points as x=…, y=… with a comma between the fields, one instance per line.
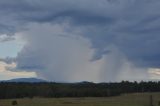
x=136, y=99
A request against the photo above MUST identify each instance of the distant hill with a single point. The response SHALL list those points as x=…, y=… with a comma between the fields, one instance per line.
x=30, y=80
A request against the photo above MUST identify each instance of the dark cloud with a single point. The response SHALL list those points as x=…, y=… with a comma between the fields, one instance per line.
x=130, y=26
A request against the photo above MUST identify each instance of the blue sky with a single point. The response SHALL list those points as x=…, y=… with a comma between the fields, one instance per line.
x=10, y=49
x=68, y=40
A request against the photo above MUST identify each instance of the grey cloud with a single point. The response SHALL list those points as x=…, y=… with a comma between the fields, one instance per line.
x=132, y=26
x=8, y=60
x=5, y=38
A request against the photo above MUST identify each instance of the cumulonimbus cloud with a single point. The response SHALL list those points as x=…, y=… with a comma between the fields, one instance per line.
x=130, y=26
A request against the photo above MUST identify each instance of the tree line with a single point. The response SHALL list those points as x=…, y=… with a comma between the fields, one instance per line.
x=83, y=89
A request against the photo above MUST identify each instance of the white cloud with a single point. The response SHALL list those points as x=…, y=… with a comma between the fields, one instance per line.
x=7, y=74
x=52, y=30
x=154, y=73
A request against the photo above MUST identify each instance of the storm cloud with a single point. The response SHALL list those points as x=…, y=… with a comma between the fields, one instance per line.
x=66, y=39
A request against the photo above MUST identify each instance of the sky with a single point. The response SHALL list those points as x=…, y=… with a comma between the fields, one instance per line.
x=80, y=40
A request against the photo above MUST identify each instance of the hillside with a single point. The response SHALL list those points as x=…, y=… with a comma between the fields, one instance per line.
x=30, y=80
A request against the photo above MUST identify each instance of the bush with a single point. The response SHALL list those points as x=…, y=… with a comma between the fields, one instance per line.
x=14, y=103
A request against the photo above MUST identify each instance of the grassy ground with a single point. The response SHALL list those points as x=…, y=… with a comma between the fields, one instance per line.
x=135, y=99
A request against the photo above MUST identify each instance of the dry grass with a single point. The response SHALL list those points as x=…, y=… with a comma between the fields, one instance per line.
x=136, y=99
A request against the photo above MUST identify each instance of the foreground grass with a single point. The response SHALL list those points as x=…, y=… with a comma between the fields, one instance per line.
x=136, y=99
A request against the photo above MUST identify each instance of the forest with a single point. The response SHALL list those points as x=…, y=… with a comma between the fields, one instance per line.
x=82, y=89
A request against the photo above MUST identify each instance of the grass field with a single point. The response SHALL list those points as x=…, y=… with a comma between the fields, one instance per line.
x=136, y=99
